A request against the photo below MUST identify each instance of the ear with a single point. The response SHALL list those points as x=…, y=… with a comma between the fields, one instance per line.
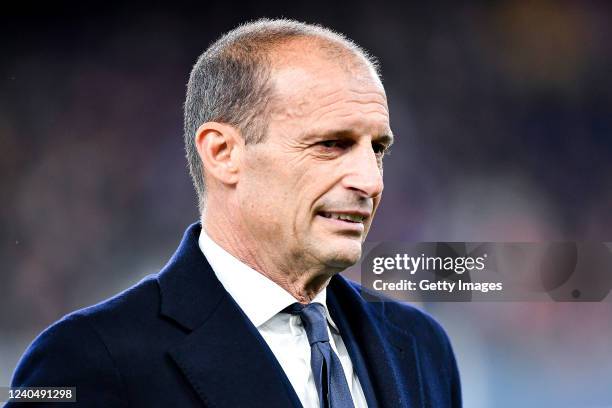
x=220, y=147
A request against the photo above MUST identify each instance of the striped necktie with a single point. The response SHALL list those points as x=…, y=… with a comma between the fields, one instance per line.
x=327, y=370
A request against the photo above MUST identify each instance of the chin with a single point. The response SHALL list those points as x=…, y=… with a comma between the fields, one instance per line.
x=343, y=254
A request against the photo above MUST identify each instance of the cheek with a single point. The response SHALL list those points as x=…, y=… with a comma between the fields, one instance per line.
x=266, y=190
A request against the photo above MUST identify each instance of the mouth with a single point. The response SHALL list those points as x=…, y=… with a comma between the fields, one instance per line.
x=352, y=217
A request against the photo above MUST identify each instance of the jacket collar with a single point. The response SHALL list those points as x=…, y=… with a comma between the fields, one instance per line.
x=223, y=356
x=384, y=355
x=189, y=290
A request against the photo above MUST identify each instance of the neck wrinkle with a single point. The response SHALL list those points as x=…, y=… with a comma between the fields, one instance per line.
x=302, y=286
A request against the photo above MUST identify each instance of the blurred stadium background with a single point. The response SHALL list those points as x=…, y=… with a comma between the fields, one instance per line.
x=503, y=117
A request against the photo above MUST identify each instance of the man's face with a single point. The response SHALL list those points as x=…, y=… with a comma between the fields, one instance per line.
x=308, y=193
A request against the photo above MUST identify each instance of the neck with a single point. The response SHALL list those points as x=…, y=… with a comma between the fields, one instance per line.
x=304, y=285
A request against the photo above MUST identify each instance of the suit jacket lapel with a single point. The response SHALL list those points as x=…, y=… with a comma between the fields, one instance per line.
x=223, y=356
x=381, y=346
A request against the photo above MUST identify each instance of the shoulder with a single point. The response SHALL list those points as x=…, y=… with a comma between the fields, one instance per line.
x=75, y=349
x=142, y=298
x=403, y=318
x=71, y=353
x=407, y=327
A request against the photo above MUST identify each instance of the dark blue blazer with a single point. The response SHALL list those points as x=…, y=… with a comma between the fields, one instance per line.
x=177, y=339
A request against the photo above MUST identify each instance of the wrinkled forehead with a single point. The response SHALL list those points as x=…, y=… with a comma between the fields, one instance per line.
x=329, y=100
x=314, y=82
x=306, y=66
x=300, y=95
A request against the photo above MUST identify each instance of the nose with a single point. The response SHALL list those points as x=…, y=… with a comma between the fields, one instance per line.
x=364, y=173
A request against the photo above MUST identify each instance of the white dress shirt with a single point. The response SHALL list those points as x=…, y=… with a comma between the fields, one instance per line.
x=262, y=301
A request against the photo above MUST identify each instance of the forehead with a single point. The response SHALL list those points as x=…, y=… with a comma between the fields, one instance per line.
x=318, y=93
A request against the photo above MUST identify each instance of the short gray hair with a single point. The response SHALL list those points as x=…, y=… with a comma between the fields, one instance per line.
x=230, y=82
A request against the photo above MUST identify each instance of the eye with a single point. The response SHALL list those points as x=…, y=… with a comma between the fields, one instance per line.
x=330, y=143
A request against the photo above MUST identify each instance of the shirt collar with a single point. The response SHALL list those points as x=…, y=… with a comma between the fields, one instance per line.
x=259, y=297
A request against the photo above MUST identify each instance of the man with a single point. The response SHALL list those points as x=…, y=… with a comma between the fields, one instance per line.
x=286, y=125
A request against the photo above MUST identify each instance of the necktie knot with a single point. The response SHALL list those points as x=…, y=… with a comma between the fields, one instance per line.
x=314, y=320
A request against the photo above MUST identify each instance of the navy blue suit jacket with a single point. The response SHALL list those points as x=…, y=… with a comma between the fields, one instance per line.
x=178, y=339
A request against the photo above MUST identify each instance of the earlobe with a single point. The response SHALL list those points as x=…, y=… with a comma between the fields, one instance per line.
x=218, y=146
